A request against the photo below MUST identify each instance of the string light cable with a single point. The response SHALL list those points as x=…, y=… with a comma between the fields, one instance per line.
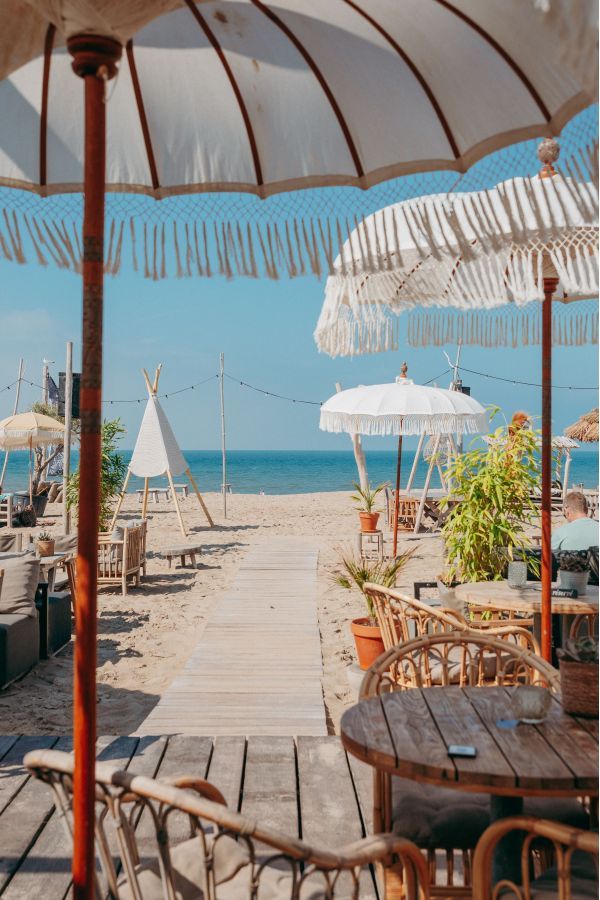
x=558, y=387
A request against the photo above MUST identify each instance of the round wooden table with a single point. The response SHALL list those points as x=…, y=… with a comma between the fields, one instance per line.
x=499, y=596
x=407, y=733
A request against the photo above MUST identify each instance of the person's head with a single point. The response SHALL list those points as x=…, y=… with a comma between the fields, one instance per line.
x=575, y=506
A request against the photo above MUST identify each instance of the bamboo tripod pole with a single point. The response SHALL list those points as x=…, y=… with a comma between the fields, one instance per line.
x=120, y=500
x=199, y=496
x=176, y=502
x=145, y=500
x=95, y=60
x=15, y=408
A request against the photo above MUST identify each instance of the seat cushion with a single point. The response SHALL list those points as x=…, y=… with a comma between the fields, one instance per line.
x=445, y=818
x=21, y=578
x=583, y=881
x=232, y=875
x=65, y=543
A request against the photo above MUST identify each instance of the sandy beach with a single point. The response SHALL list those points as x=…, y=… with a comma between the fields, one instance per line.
x=145, y=638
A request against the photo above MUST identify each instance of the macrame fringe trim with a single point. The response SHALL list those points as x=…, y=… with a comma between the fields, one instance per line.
x=347, y=423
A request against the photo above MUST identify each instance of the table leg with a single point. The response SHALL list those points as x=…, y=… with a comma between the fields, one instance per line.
x=182, y=558
x=193, y=560
x=507, y=858
x=41, y=601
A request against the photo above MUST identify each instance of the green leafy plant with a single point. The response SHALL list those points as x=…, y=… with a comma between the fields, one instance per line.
x=356, y=572
x=365, y=498
x=44, y=536
x=583, y=650
x=112, y=472
x=495, y=484
x=573, y=560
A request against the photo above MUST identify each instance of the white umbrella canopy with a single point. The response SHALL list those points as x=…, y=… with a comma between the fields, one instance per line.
x=402, y=408
x=241, y=95
x=482, y=249
x=29, y=429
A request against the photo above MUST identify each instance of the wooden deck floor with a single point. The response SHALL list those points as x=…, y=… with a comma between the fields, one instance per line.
x=257, y=668
x=305, y=787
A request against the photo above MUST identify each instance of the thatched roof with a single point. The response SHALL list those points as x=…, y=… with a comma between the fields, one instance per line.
x=586, y=429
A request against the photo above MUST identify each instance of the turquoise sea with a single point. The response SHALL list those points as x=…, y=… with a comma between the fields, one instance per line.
x=295, y=472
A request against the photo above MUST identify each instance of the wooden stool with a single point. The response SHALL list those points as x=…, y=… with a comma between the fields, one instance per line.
x=370, y=544
x=182, y=552
x=183, y=489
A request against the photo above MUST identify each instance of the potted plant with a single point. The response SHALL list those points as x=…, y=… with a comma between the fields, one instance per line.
x=365, y=498
x=578, y=662
x=573, y=570
x=45, y=544
x=356, y=572
x=487, y=528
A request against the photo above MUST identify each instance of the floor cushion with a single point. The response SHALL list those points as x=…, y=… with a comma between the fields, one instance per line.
x=19, y=646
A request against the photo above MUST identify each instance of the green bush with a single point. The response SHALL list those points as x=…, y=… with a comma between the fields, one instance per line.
x=495, y=484
x=112, y=472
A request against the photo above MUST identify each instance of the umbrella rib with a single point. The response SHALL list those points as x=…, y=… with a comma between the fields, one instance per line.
x=137, y=90
x=503, y=53
x=416, y=72
x=48, y=45
x=321, y=80
x=234, y=85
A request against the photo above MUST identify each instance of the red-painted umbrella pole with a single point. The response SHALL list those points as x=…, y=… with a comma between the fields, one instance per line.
x=95, y=60
x=397, y=503
x=550, y=285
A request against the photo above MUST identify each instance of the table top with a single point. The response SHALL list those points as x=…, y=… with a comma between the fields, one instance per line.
x=498, y=595
x=407, y=733
x=55, y=559
x=181, y=549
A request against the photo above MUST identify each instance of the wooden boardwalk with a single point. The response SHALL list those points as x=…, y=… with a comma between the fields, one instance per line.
x=306, y=787
x=257, y=668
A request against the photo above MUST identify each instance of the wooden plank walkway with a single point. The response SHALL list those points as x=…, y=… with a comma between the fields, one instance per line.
x=306, y=787
x=257, y=668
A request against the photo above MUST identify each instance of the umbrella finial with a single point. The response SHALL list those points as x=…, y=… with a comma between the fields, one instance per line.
x=403, y=370
x=548, y=152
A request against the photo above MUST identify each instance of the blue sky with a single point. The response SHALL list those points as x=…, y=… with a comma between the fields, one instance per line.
x=265, y=330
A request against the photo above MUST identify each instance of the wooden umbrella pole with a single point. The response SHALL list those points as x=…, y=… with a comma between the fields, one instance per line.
x=550, y=285
x=397, y=503
x=95, y=60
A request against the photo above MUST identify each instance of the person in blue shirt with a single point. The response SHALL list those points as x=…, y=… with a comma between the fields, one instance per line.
x=579, y=533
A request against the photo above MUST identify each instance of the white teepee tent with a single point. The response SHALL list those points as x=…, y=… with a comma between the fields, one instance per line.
x=157, y=452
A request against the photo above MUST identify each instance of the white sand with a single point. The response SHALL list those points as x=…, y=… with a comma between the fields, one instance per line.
x=145, y=638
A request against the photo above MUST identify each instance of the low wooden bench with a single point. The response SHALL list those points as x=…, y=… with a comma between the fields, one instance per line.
x=182, y=551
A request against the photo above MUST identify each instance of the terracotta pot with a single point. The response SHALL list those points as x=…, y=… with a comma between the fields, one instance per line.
x=367, y=638
x=368, y=521
x=45, y=548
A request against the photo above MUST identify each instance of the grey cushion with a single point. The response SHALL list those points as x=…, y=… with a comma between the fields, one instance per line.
x=9, y=542
x=65, y=543
x=21, y=578
x=450, y=819
x=583, y=881
x=19, y=646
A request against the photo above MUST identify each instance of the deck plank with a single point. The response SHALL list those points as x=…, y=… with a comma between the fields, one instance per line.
x=49, y=858
x=269, y=791
x=257, y=668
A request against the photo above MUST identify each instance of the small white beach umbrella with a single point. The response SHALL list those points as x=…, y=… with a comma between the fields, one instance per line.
x=29, y=429
x=402, y=408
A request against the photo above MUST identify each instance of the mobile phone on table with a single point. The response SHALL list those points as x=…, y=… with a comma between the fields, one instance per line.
x=462, y=750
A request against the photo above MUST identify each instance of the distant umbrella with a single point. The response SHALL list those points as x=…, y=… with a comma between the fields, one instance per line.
x=585, y=429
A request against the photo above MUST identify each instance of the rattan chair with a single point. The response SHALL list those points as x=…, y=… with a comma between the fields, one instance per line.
x=225, y=855
x=573, y=872
x=402, y=618
x=445, y=822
